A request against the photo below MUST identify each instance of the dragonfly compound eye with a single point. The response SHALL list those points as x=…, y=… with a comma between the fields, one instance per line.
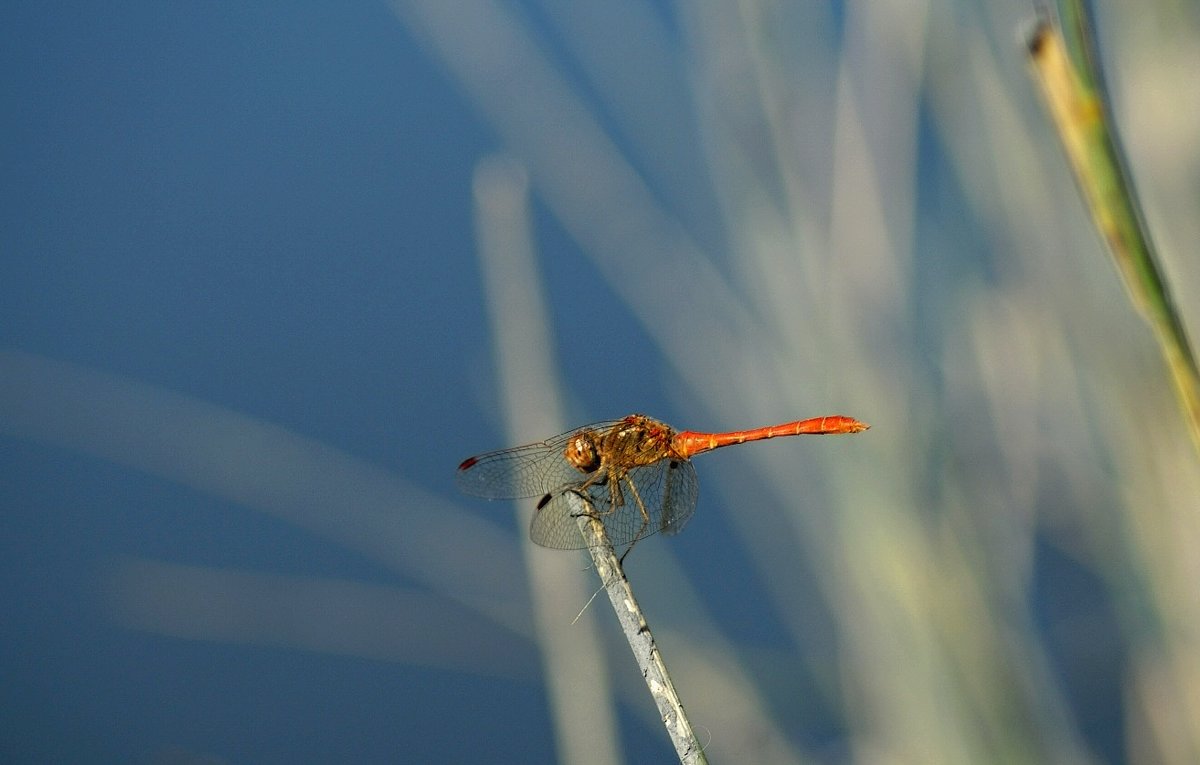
x=581, y=452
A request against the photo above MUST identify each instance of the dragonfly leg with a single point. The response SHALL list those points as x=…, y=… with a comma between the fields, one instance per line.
x=614, y=490
x=637, y=498
x=581, y=491
x=616, y=497
x=586, y=499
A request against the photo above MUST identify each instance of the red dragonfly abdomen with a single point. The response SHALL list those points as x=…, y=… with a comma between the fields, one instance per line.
x=688, y=443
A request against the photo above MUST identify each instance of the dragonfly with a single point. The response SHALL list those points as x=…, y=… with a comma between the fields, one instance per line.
x=634, y=475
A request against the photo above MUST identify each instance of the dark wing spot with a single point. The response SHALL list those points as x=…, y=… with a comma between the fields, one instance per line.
x=467, y=463
x=543, y=501
x=674, y=464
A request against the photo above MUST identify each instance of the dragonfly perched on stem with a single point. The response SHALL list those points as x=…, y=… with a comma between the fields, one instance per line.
x=635, y=474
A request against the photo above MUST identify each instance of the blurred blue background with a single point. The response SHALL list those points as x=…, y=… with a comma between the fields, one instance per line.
x=241, y=276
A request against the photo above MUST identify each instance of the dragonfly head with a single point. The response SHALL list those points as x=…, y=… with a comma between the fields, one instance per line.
x=582, y=453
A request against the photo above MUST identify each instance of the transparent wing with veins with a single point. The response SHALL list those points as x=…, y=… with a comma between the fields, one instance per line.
x=524, y=471
x=660, y=497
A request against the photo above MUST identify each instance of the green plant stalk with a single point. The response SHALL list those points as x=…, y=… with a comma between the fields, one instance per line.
x=1065, y=68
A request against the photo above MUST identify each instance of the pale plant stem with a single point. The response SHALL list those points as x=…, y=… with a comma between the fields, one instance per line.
x=637, y=633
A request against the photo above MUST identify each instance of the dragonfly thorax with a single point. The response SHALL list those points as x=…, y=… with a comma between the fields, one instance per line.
x=636, y=441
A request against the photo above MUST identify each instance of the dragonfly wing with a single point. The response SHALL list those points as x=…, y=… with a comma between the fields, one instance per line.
x=555, y=522
x=523, y=471
x=667, y=490
x=679, y=495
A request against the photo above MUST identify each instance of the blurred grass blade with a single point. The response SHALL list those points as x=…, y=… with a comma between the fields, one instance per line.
x=1065, y=66
x=575, y=671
